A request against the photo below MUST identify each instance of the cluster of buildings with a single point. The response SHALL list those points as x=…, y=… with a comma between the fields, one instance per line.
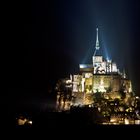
x=101, y=80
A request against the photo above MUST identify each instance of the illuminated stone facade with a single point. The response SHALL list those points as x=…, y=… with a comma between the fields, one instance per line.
x=102, y=76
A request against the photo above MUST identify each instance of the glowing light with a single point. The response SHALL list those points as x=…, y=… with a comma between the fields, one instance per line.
x=68, y=81
x=99, y=109
x=101, y=87
x=85, y=66
x=137, y=121
x=137, y=97
x=30, y=122
x=113, y=120
x=126, y=121
x=107, y=58
x=21, y=121
x=90, y=105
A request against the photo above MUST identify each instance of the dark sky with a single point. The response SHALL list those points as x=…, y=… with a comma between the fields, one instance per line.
x=54, y=36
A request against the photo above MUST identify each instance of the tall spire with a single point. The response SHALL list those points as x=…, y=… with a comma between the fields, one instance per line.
x=97, y=41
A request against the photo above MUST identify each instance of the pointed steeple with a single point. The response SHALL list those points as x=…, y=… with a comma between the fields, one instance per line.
x=97, y=40
x=97, y=47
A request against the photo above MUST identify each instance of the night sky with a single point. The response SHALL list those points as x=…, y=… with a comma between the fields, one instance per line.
x=54, y=36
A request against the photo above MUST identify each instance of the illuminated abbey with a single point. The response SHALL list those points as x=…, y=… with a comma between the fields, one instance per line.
x=101, y=79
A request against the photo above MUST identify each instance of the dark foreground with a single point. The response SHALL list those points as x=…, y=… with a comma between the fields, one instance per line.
x=61, y=121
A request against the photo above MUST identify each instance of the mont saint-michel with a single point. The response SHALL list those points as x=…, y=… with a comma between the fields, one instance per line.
x=101, y=87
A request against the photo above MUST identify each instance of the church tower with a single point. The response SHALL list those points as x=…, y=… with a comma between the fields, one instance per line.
x=97, y=58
